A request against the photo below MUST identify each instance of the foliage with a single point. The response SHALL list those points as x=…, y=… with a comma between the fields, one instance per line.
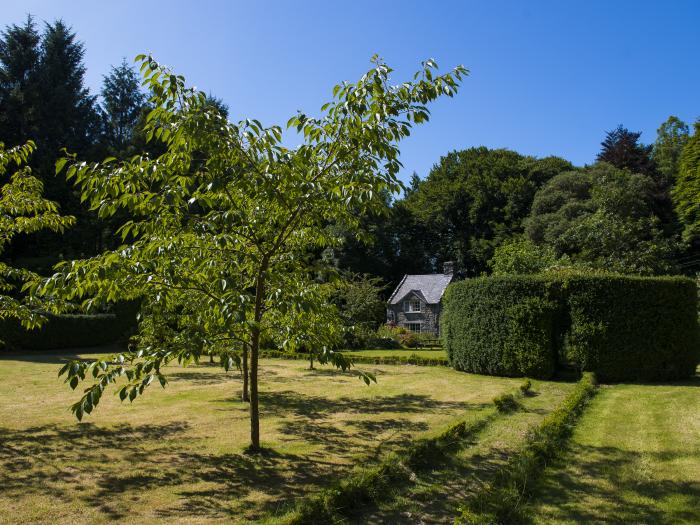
x=23, y=210
x=686, y=193
x=224, y=220
x=526, y=388
x=122, y=106
x=72, y=330
x=502, y=501
x=522, y=256
x=501, y=325
x=620, y=327
x=475, y=199
x=361, y=308
x=602, y=217
x=671, y=138
x=506, y=403
x=634, y=328
x=621, y=148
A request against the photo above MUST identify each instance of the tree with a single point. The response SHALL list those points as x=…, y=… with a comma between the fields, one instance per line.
x=686, y=193
x=224, y=218
x=671, y=138
x=23, y=210
x=602, y=217
x=522, y=256
x=472, y=201
x=361, y=307
x=622, y=149
x=123, y=103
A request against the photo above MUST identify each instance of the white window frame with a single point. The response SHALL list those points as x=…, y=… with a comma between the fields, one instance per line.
x=409, y=306
x=419, y=325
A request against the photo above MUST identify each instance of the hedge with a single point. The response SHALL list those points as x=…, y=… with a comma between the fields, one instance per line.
x=620, y=327
x=412, y=359
x=71, y=330
x=502, y=501
x=502, y=326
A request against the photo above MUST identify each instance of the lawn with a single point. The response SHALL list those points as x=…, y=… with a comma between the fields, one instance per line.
x=178, y=453
x=634, y=458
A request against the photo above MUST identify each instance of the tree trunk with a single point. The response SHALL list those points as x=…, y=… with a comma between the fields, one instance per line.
x=311, y=361
x=254, y=350
x=244, y=370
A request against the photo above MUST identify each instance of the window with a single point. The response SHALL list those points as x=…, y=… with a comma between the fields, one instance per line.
x=411, y=306
x=413, y=327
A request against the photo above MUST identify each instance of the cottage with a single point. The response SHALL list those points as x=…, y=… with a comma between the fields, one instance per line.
x=415, y=304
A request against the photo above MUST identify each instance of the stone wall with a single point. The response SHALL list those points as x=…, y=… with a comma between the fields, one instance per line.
x=429, y=317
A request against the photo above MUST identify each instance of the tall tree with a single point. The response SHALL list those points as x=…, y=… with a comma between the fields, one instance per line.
x=122, y=105
x=622, y=149
x=671, y=138
x=473, y=200
x=686, y=193
x=224, y=216
x=19, y=60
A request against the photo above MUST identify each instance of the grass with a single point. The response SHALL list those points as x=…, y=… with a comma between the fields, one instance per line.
x=178, y=453
x=397, y=353
x=634, y=458
x=434, y=494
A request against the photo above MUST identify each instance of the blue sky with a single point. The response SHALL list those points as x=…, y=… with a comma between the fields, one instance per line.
x=547, y=78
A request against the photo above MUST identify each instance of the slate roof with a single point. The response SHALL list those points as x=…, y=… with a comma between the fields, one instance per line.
x=430, y=286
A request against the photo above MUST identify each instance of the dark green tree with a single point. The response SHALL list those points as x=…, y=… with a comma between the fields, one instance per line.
x=686, y=193
x=471, y=202
x=622, y=149
x=123, y=103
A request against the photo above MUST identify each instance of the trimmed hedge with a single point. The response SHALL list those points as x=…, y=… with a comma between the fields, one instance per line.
x=620, y=327
x=502, y=326
x=413, y=359
x=502, y=501
x=71, y=330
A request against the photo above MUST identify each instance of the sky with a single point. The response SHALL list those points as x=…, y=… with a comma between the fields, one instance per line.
x=546, y=78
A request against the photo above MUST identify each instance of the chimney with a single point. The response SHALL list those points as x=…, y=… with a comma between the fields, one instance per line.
x=448, y=268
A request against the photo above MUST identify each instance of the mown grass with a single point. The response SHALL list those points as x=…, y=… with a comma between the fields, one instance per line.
x=634, y=458
x=178, y=453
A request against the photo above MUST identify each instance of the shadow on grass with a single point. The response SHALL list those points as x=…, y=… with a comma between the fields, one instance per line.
x=620, y=487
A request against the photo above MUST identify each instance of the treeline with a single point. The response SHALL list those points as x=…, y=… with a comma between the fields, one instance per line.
x=636, y=209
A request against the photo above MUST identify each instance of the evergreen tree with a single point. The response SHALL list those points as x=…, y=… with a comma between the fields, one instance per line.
x=622, y=149
x=122, y=106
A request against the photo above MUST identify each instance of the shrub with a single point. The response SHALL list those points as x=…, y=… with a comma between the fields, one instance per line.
x=505, y=403
x=633, y=328
x=620, y=327
x=71, y=330
x=502, y=325
x=526, y=388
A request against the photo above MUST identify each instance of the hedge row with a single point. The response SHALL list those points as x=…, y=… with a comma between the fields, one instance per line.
x=502, y=501
x=378, y=482
x=71, y=330
x=620, y=327
x=412, y=359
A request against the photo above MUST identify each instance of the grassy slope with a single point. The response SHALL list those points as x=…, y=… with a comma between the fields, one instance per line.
x=433, y=496
x=635, y=458
x=177, y=453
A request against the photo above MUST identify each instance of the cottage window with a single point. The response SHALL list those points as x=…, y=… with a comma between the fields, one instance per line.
x=412, y=306
x=413, y=327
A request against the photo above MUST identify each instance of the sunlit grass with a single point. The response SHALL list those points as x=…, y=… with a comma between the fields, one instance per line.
x=178, y=453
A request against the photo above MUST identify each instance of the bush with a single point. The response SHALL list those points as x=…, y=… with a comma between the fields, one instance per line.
x=502, y=325
x=620, y=327
x=526, y=388
x=71, y=330
x=506, y=403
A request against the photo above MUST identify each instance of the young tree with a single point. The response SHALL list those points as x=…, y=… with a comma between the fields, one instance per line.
x=224, y=218
x=23, y=210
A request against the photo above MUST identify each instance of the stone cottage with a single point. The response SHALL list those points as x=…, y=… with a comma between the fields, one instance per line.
x=415, y=304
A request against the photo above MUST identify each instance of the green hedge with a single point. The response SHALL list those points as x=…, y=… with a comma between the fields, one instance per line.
x=620, y=327
x=502, y=326
x=71, y=330
x=412, y=359
x=633, y=328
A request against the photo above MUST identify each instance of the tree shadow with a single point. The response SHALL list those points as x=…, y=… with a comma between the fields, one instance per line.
x=619, y=487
